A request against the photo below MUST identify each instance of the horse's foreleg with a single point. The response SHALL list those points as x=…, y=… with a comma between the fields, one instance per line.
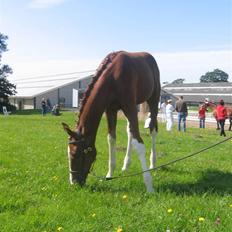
x=127, y=158
x=112, y=156
x=111, y=120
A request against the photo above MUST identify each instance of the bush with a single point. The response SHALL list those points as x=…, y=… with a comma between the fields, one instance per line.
x=8, y=106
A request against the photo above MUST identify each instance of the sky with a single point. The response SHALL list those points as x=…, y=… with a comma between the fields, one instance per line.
x=186, y=37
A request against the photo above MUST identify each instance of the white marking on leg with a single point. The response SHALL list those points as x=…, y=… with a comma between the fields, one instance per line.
x=140, y=148
x=127, y=158
x=112, y=151
x=69, y=164
x=153, y=149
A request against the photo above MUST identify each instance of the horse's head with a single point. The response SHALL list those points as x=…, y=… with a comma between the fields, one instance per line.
x=81, y=156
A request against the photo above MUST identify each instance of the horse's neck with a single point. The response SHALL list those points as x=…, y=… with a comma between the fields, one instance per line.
x=93, y=110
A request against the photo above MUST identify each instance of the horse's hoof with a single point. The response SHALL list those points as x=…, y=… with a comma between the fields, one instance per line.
x=124, y=169
x=150, y=190
x=108, y=175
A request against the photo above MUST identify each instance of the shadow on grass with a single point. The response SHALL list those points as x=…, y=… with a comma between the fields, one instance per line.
x=26, y=112
x=213, y=181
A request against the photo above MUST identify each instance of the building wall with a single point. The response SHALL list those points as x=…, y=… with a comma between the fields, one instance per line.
x=22, y=103
x=28, y=104
x=52, y=96
x=63, y=95
x=196, y=93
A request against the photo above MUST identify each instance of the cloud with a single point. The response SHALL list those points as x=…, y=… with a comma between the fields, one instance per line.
x=30, y=69
x=45, y=3
x=192, y=65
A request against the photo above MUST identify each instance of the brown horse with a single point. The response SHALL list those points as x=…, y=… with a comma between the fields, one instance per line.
x=122, y=81
x=213, y=107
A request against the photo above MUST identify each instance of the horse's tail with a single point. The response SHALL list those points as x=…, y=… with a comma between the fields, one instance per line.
x=153, y=101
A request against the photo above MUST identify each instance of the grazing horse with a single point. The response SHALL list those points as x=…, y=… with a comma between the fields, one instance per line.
x=213, y=107
x=122, y=81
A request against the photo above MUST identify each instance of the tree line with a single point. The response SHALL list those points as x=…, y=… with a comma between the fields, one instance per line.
x=216, y=75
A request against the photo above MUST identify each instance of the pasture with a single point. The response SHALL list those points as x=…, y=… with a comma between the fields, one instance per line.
x=35, y=195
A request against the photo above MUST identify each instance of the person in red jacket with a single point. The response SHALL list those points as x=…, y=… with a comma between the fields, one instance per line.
x=201, y=115
x=221, y=116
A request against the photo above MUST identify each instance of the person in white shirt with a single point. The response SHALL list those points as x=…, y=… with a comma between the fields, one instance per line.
x=163, y=111
x=169, y=115
x=147, y=121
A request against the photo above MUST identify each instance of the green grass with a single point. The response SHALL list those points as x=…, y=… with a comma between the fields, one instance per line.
x=35, y=194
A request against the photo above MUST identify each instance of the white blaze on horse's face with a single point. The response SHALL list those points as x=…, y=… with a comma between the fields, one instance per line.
x=80, y=157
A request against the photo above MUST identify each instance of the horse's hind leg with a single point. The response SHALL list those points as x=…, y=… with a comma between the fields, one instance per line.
x=153, y=130
x=218, y=125
x=127, y=158
x=111, y=116
x=137, y=143
x=230, y=121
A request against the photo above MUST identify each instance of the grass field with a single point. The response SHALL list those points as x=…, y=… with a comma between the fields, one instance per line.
x=192, y=195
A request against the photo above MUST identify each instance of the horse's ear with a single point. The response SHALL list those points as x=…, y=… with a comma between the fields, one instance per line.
x=69, y=131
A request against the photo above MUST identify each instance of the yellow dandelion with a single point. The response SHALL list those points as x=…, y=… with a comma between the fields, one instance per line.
x=124, y=197
x=94, y=215
x=55, y=178
x=201, y=219
x=119, y=229
x=230, y=205
x=60, y=228
x=169, y=210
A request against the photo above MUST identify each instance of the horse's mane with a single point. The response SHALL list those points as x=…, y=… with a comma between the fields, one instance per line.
x=104, y=64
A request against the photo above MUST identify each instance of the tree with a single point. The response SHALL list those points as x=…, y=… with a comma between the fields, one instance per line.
x=178, y=81
x=6, y=88
x=216, y=76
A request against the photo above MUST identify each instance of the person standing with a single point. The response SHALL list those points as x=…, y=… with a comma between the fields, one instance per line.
x=182, y=110
x=169, y=115
x=221, y=116
x=201, y=115
x=49, y=105
x=43, y=106
x=163, y=111
x=147, y=121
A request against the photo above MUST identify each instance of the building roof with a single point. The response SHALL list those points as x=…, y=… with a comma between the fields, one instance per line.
x=202, y=84
x=28, y=88
x=197, y=92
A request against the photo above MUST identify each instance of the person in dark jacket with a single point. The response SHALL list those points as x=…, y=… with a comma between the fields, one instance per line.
x=182, y=110
x=43, y=106
x=221, y=116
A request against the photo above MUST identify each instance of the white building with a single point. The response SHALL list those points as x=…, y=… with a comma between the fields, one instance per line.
x=65, y=91
x=195, y=93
